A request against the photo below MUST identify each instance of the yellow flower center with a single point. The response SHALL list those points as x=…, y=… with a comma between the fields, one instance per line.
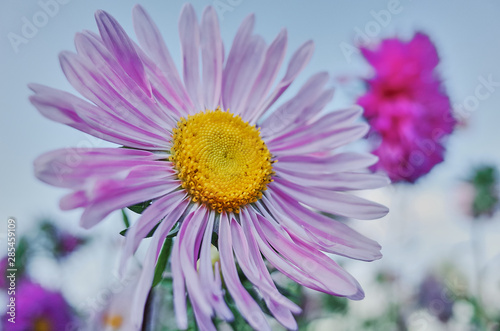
x=115, y=321
x=42, y=324
x=221, y=160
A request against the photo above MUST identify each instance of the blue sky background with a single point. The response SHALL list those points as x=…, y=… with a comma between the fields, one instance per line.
x=425, y=220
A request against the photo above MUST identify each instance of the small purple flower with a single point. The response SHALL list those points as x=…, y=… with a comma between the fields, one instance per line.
x=406, y=107
x=203, y=152
x=38, y=309
x=433, y=295
x=69, y=243
x=61, y=242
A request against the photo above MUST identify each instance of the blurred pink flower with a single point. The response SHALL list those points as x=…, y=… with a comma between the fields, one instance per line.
x=69, y=243
x=407, y=107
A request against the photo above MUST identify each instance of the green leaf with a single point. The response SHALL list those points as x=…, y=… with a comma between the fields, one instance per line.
x=335, y=304
x=149, y=235
x=162, y=261
x=215, y=240
x=125, y=219
x=174, y=231
x=292, y=291
x=140, y=207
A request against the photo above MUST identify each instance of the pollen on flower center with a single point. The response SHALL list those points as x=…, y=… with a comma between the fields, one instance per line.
x=42, y=324
x=113, y=320
x=221, y=160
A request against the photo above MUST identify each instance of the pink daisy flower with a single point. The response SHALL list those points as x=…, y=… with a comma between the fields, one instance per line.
x=407, y=107
x=202, y=150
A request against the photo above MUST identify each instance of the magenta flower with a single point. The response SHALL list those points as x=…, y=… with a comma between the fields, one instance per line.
x=407, y=107
x=202, y=151
x=38, y=309
x=69, y=243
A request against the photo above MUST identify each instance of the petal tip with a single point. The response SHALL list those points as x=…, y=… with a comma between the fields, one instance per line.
x=138, y=7
x=359, y=295
x=100, y=14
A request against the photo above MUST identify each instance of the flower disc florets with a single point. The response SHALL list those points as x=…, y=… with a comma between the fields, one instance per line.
x=221, y=160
